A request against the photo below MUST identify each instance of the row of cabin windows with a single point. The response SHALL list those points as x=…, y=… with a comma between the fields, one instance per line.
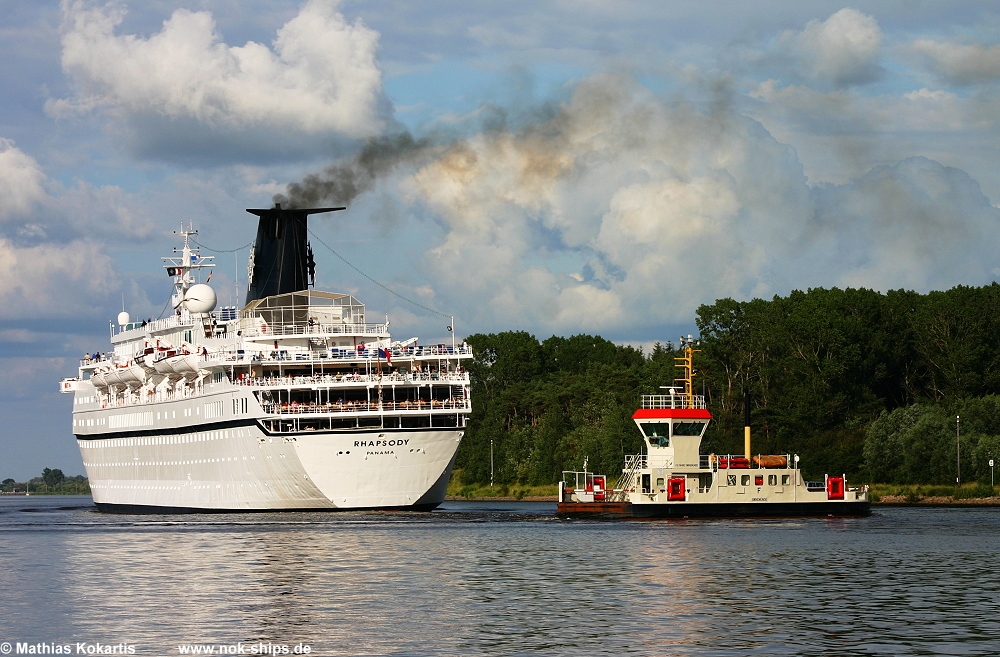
x=758, y=480
x=744, y=480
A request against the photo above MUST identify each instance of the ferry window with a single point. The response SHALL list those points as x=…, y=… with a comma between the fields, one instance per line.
x=659, y=481
x=745, y=480
x=730, y=480
x=688, y=428
x=772, y=480
x=758, y=480
x=657, y=432
x=784, y=480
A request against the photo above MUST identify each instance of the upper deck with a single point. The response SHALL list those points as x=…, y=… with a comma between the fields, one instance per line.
x=310, y=312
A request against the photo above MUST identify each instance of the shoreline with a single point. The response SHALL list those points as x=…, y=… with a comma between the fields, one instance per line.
x=886, y=500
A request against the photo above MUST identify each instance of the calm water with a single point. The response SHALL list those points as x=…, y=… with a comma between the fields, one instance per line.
x=501, y=579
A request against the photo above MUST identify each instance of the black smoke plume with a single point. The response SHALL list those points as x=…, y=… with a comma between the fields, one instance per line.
x=339, y=184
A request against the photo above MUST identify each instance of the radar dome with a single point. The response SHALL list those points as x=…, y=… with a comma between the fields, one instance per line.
x=123, y=318
x=200, y=298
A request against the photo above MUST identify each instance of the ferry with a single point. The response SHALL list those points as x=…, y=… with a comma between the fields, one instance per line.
x=296, y=401
x=673, y=479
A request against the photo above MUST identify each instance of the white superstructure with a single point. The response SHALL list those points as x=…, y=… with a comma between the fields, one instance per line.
x=293, y=402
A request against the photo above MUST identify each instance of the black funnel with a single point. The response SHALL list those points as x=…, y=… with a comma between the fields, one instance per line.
x=282, y=259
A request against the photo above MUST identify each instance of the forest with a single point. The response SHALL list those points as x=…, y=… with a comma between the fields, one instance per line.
x=896, y=387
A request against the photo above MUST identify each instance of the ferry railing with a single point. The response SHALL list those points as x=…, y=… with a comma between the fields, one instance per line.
x=672, y=401
x=741, y=462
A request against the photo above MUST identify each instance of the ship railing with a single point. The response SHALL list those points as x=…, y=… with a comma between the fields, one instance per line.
x=366, y=407
x=93, y=360
x=141, y=327
x=673, y=401
x=335, y=353
x=315, y=330
x=230, y=356
x=351, y=379
x=144, y=396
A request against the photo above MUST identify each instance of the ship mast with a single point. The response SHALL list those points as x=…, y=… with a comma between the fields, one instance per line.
x=181, y=268
x=686, y=362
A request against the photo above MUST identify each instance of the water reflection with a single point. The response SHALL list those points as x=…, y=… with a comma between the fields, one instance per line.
x=499, y=580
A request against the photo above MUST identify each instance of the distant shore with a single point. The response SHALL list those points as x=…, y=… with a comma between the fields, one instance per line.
x=502, y=498
x=946, y=501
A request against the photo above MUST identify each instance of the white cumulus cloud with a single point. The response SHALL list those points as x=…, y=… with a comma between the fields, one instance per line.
x=20, y=181
x=318, y=78
x=53, y=280
x=961, y=63
x=842, y=50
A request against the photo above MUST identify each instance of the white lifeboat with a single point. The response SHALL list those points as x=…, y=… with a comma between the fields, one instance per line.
x=131, y=375
x=163, y=366
x=185, y=363
x=99, y=377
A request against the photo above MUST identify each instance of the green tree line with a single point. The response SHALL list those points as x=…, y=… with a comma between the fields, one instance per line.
x=52, y=482
x=854, y=380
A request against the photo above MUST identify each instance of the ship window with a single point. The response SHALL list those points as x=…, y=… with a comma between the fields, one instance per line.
x=688, y=428
x=730, y=480
x=784, y=480
x=745, y=480
x=772, y=480
x=659, y=481
x=758, y=480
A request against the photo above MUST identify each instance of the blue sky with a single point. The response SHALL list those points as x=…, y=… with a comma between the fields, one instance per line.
x=598, y=167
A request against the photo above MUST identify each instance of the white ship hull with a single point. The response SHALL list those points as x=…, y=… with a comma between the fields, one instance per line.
x=242, y=469
x=233, y=464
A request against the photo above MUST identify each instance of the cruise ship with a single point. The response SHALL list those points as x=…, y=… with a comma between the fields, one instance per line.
x=673, y=479
x=294, y=402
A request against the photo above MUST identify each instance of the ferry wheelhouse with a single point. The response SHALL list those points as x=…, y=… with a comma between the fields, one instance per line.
x=673, y=479
x=294, y=402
